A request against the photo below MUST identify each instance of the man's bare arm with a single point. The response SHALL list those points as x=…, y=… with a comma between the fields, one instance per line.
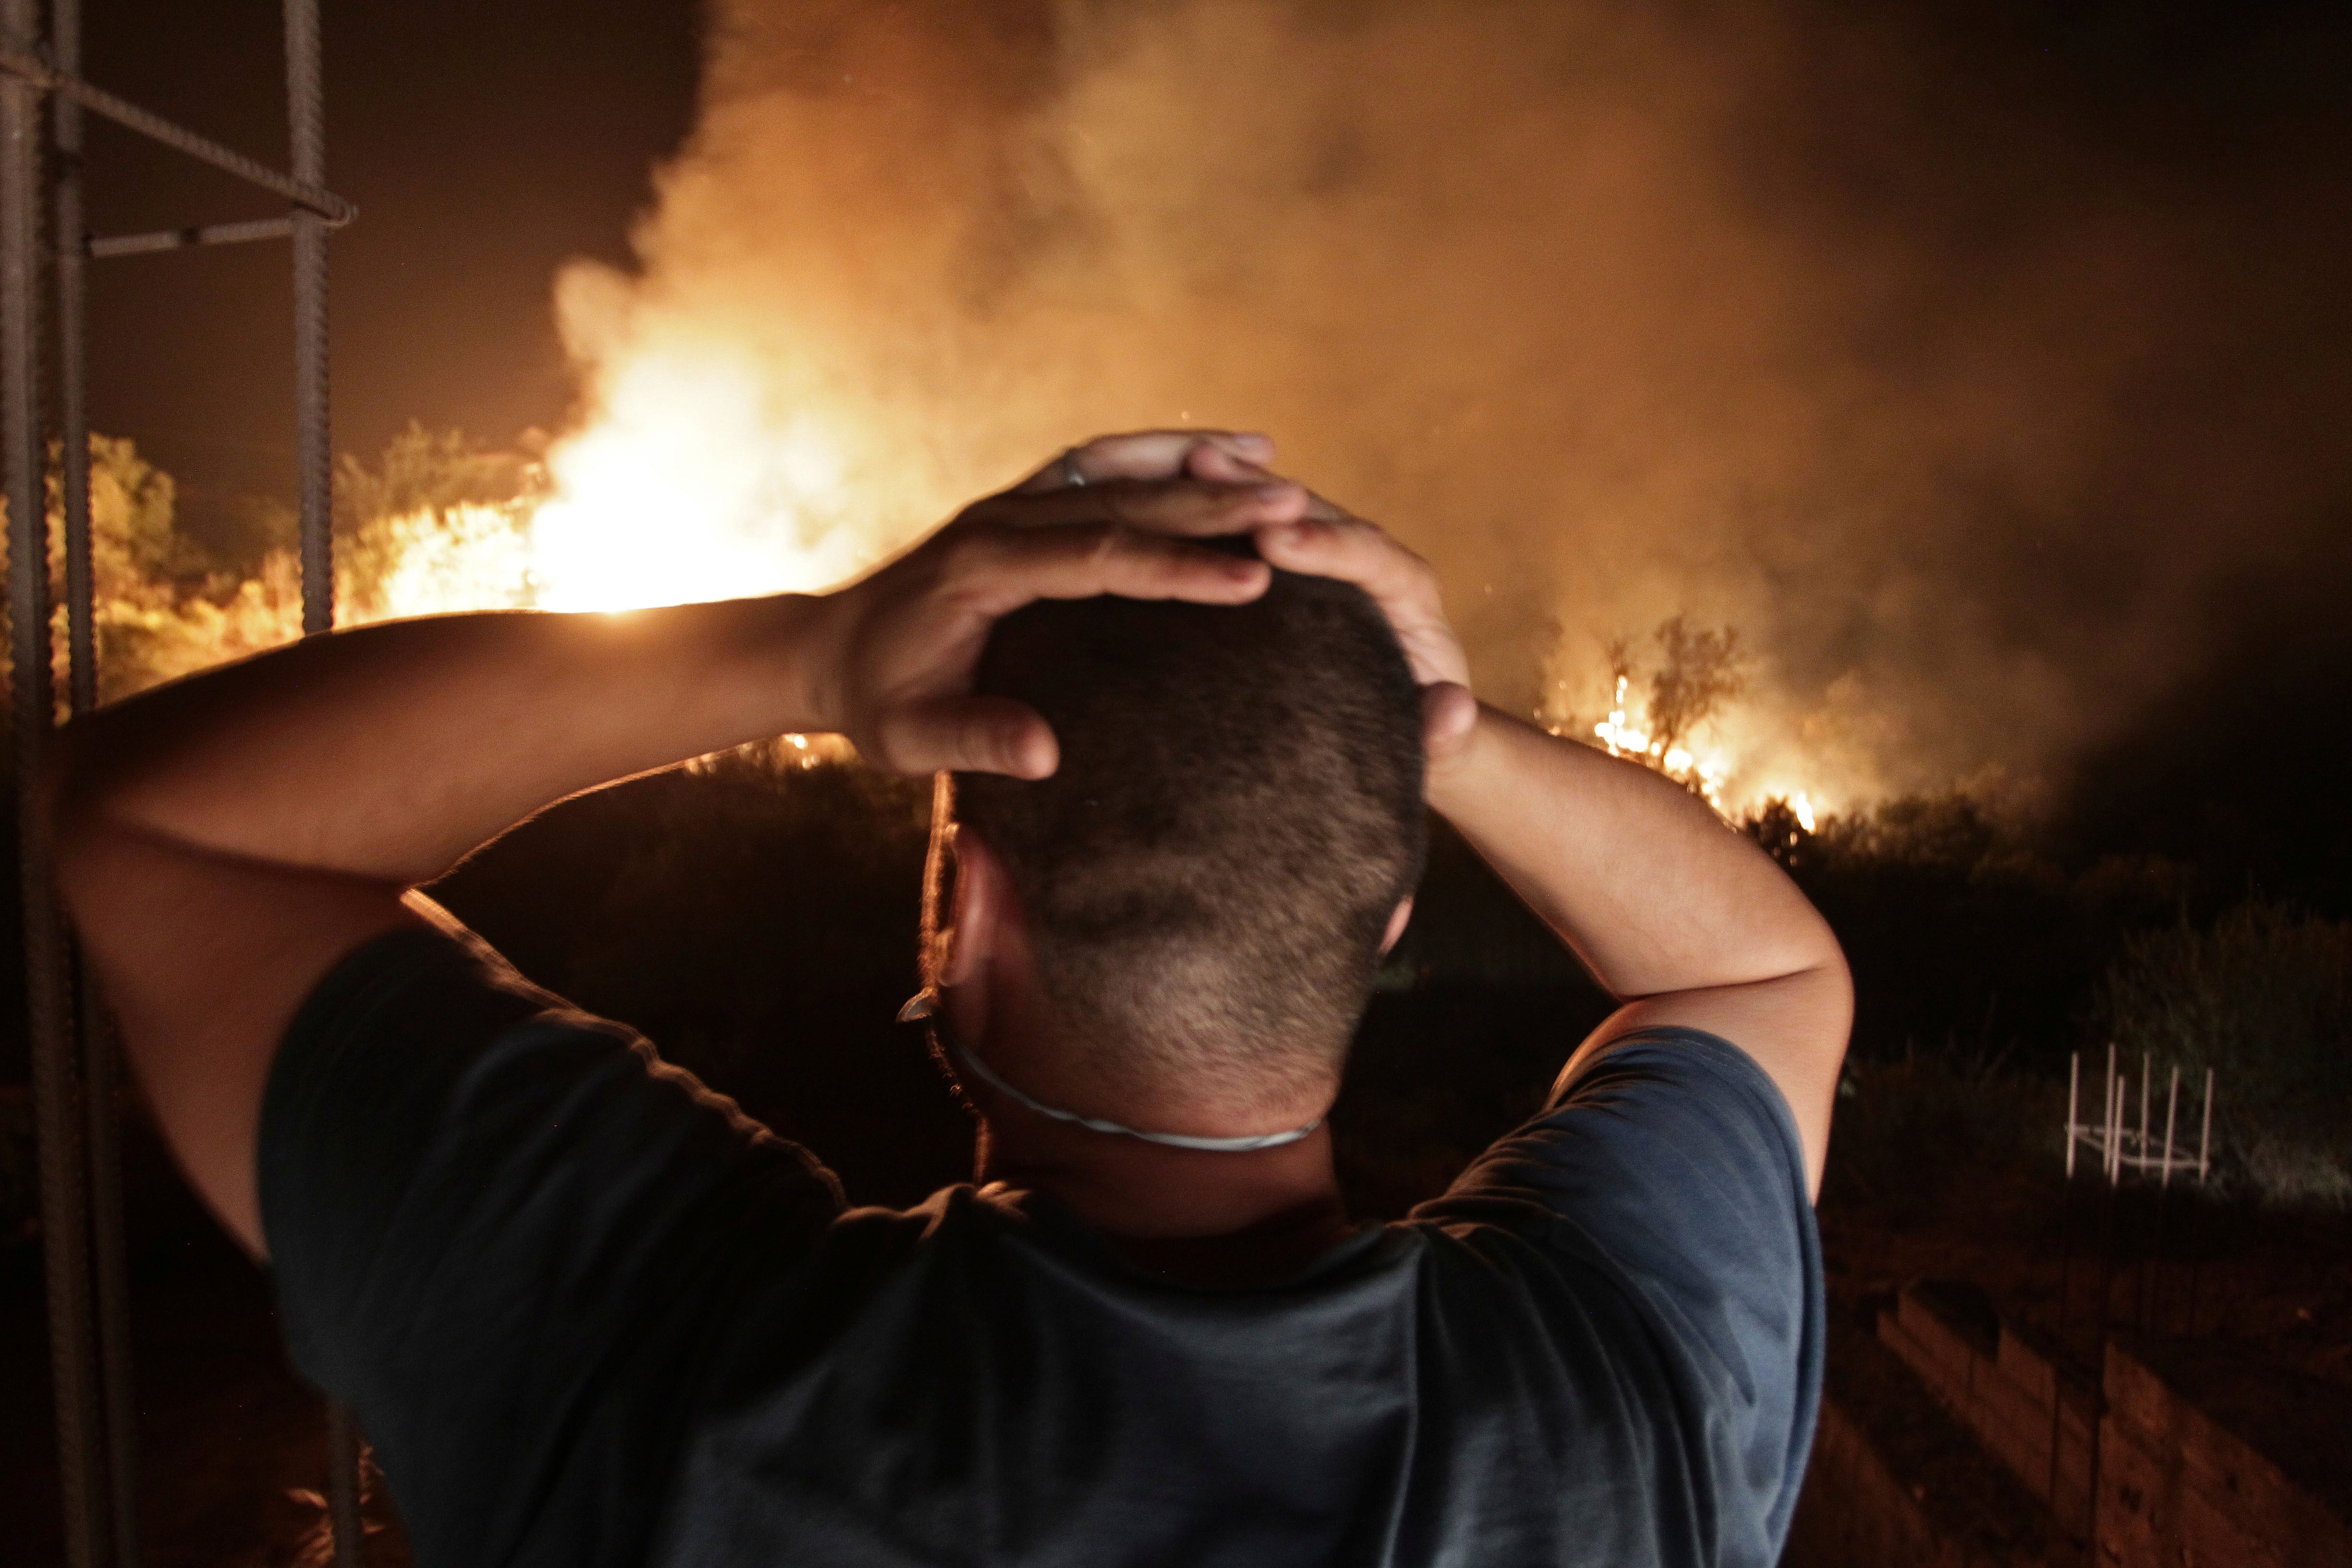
x=1684, y=921
x=225, y=840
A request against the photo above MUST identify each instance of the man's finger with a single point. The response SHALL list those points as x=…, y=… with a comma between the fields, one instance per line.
x=1143, y=454
x=1346, y=547
x=1191, y=508
x=1400, y=583
x=1220, y=466
x=1078, y=563
x=976, y=734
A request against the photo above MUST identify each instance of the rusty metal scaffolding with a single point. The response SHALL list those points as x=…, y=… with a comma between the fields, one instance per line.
x=74, y=1070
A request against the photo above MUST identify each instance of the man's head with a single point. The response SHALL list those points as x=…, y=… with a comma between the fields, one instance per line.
x=1207, y=879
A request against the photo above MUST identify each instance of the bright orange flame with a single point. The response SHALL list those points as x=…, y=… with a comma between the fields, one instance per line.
x=690, y=486
x=686, y=489
x=1723, y=773
x=1705, y=773
x=464, y=557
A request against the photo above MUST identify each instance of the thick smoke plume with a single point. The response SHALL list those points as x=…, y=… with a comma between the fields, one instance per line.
x=1948, y=386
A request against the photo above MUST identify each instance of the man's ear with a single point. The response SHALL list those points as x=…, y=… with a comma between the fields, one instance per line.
x=1399, y=918
x=979, y=907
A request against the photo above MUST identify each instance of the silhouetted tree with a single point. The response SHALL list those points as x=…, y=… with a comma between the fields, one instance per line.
x=1698, y=670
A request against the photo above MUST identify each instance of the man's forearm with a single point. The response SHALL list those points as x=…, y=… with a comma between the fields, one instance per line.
x=1648, y=886
x=391, y=752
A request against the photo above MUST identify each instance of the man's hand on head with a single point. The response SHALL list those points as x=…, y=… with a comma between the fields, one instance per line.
x=1324, y=540
x=906, y=639
x=1406, y=588
x=1328, y=540
x=1238, y=457
x=1118, y=515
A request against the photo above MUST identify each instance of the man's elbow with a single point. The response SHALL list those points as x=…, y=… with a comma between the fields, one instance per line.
x=1814, y=978
x=1796, y=942
x=1835, y=978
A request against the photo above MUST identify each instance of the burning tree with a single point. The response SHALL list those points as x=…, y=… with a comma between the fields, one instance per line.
x=1695, y=674
x=1699, y=670
x=163, y=606
x=437, y=524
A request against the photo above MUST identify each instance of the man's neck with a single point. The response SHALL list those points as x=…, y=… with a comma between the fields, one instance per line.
x=1256, y=1209
x=1206, y=1217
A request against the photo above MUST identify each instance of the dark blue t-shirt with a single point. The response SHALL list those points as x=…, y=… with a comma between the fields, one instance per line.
x=590, y=1314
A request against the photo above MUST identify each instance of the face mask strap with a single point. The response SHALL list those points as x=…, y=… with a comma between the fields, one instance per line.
x=923, y=1006
x=933, y=933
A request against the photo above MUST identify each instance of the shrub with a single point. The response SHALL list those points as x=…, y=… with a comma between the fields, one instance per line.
x=2263, y=997
x=1961, y=933
x=1908, y=1132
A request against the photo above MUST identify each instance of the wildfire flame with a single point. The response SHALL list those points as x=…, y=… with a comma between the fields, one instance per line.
x=466, y=557
x=686, y=490
x=688, y=487
x=1705, y=773
x=1709, y=772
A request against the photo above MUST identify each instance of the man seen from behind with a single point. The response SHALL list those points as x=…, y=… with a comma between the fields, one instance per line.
x=589, y=1314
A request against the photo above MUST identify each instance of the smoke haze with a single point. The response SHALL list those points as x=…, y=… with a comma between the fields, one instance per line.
x=1952, y=384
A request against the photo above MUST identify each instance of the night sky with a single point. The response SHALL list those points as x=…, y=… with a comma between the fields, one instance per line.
x=486, y=143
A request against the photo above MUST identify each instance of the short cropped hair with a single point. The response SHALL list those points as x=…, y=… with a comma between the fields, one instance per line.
x=1208, y=875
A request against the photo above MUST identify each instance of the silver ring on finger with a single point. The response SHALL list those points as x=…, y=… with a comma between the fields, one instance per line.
x=1072, y=478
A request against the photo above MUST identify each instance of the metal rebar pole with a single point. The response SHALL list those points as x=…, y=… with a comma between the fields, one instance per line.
x=2196, y=1209
x=153, y=241
x=110, y=1266
x=63, y=1215
x=314, y=481
x=2106, y=1153
x=306, y=114
x=73, y=413
x=20, y=57
x=2098, y=1358
x=2058, y=1331
x=2152, y=1306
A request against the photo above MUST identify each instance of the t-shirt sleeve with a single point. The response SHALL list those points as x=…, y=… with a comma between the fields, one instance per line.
x=503, y=1231
x=1668, y=1174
